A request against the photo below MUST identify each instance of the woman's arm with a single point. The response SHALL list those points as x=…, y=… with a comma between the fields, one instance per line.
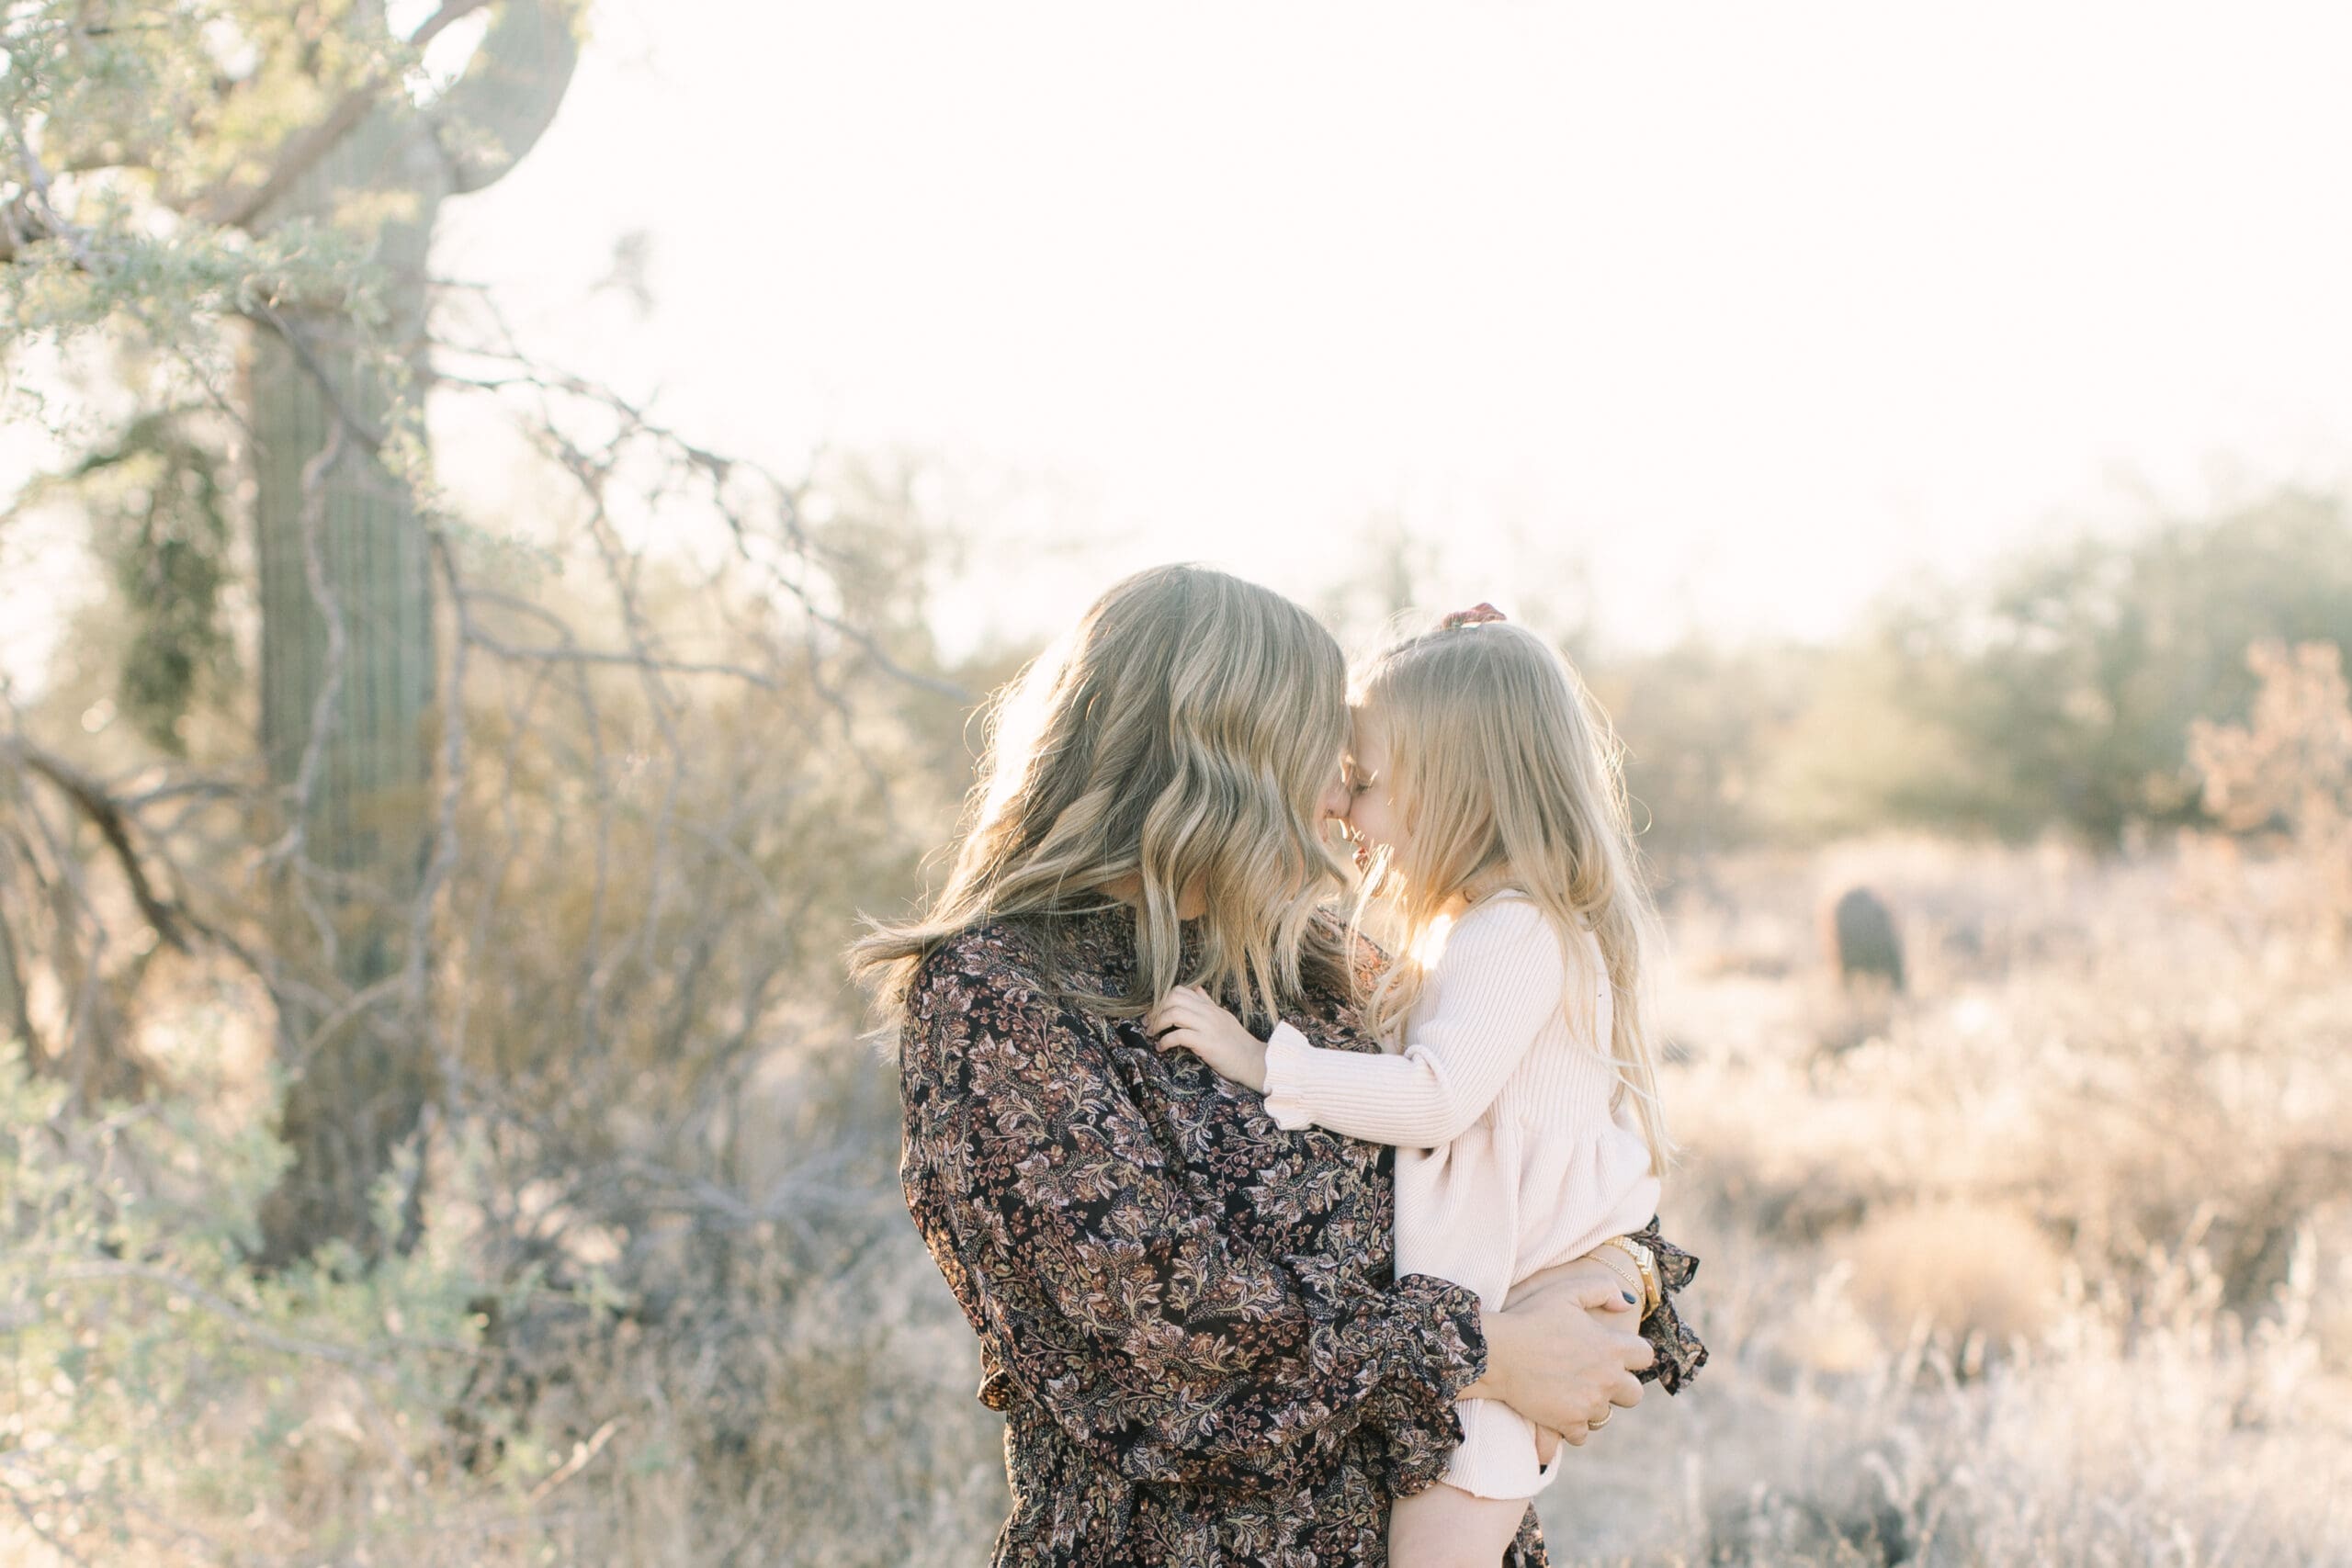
x=1112, y=1295
x=1676, y=1352
x=1556, y=1374
x=1562, y=1355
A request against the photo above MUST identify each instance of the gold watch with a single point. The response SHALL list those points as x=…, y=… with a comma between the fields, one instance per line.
x=1628, y=1278
x=1645, y=1265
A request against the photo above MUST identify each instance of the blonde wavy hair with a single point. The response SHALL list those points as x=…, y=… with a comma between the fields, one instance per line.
x=1508, y=773
x=1183, y=734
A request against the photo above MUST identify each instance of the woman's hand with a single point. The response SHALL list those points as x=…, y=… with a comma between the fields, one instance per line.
x=1187, y=1017
x=1563, y=1350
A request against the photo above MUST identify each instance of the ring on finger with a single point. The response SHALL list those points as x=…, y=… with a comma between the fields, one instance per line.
x=1597, y=1421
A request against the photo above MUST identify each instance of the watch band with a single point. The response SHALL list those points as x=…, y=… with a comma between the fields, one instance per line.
x=1629, y=1277
x=1645, y=1266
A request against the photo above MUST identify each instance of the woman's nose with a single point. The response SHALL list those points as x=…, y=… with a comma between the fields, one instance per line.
x=1335, y=800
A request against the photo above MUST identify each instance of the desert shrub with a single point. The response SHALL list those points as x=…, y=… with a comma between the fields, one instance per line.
x=2047, y=1269
x=2061, y=689
x=673, y=1304
x=1699, y=721
x=2130, y=1438
x=1960, y=1270
x=806, y=1399
x=166, y=1405
x=2288, y=771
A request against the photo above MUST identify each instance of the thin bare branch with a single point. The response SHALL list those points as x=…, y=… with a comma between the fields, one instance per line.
x=330, y=607
x=105, y=814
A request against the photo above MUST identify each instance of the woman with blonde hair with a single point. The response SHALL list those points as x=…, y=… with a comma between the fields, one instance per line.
x=1520, y=1089
x=1189, y=1315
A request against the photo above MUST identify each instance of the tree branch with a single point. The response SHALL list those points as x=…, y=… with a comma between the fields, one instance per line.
x=32, y=217
x=94, y=803
x=717, y=466
x=237, y=205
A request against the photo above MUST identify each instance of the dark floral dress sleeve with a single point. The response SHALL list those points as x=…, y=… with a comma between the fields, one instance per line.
x=1105, y=1288
x=1679, y=1353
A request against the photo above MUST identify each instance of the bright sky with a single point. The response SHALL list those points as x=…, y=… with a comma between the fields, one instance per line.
x=1757, y=308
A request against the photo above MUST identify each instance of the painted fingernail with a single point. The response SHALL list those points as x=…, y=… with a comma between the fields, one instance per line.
x=1629, y=1299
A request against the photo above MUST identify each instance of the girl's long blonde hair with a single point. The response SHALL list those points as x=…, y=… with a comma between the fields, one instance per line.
x=1505, y=771
x=1182, y=733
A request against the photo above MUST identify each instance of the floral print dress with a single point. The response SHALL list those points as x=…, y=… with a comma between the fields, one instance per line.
x=1187, y=1315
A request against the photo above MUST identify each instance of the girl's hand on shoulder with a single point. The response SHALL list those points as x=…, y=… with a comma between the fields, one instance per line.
x=1187, y=1017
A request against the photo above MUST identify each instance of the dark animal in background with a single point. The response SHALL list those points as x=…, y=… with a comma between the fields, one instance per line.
x=1862, y=941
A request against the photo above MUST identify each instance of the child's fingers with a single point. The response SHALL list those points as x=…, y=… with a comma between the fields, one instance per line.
x=1179, y=1005
x=1170, y=1008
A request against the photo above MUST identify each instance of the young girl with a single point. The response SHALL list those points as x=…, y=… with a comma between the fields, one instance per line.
x=1515, y=1079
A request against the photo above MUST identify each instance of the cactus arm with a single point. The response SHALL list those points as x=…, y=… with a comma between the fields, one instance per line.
x=493, y=114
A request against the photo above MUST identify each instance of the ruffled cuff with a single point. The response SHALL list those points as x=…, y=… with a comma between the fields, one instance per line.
x=1439, y=1350
x=1285, y=1072
x=1679, y=1353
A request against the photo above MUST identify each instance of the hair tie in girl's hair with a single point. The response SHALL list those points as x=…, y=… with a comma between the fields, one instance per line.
x=1479, y=615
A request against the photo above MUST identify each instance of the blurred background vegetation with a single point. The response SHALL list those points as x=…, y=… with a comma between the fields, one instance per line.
x=434, y=1127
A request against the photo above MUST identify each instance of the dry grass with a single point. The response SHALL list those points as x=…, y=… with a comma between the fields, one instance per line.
x=2047, y=1260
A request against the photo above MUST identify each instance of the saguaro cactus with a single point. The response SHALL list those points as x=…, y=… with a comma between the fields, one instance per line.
x=1863, y=942
x=347, y=656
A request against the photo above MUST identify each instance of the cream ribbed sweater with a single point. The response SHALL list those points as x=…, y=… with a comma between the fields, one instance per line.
x=1510, y=1159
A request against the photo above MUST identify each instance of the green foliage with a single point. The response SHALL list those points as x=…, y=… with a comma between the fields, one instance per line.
x=159, y=517
x=1698, y=722
x=170, y=291
x=121, y=119
x=2069, y=695
x=2062, y=694
x=138, y=140
x=159, y=1394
